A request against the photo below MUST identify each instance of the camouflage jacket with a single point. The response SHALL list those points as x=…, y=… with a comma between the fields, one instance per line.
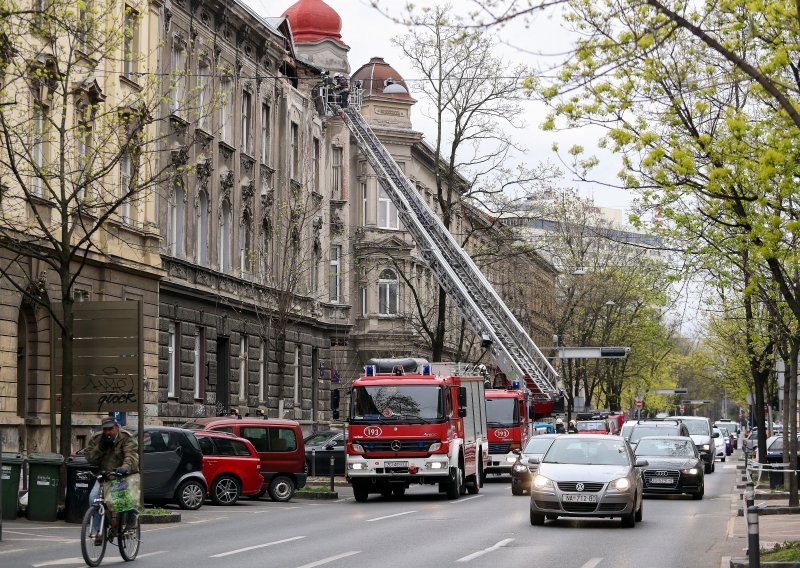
x=124, y=453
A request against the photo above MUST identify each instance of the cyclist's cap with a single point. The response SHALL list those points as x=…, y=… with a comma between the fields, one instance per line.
x=108, y=422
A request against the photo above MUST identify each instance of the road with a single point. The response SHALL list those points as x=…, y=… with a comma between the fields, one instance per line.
x=424, y=529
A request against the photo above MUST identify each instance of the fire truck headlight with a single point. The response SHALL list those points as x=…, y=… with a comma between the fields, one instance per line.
x=358, y=448
x=435, y=447
x=436, y=465
x=357, y=466
x=511, y=458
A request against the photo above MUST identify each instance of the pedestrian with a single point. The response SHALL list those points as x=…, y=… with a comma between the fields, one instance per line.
x=110, y=449
x=560, y=426
x=572, y=428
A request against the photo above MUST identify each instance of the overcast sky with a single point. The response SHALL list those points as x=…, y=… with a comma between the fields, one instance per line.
x=368, y=33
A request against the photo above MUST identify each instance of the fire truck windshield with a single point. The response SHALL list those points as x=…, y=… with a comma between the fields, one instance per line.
x=397, y=403
x=502, y=412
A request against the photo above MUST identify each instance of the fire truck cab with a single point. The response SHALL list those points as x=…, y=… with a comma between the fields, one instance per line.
x=509, y=422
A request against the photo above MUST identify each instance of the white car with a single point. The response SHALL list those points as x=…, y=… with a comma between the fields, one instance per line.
x=719, y=444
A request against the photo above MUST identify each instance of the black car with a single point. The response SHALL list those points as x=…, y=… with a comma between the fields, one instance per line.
x=173, y=467
x=320, y=447
x=673, y=465
x=522, y=471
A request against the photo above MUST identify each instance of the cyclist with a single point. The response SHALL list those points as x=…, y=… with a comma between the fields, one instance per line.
x=111, y=449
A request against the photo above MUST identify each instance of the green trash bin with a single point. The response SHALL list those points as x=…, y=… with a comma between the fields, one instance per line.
x=12, y=466
x=44, y=471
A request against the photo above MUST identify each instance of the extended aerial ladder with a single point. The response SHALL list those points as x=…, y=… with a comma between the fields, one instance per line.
x=514, y=351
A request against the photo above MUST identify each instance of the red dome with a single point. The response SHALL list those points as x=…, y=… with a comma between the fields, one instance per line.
x=313, y=20
x=376, y=76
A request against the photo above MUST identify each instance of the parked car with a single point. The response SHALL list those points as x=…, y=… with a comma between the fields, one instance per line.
x=231, y=466
x=652, y=427
x=700, y=432
x=522, y=471
x=587, y=476
x=719, y=444
x=172, y=471
x=279, y=444
x=774, y=449
x=320, y=448
x=673, y=465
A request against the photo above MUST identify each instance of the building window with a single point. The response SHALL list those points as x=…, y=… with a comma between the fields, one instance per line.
x=387, y=293
x=297, y=374
x=199, y=363
x=225, y=238
x=226, y=111
x=177, y=218
x=178, y=97
x=246, y=245
x=294, y=143
x=336, y=165
x=315, y=165
x=84, y=26
x=125, y=180
x=335, y=274
x=173, y=363
x=203, y=94
x=387, y=212
x=364, y=203
x=315, y=270
x=202, y=229
x=266, y=251
x=262, y=371
x=83, y=146
x=265, y=149
x=37, y=148
x=243, y=370
x=129, y=45
x=246, y=142
x=363, y=301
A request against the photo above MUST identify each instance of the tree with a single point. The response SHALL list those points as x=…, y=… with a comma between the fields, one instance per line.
x=76, y=163
x=472, y=96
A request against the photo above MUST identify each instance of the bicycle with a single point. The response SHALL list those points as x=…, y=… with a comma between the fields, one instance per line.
x=122, y=526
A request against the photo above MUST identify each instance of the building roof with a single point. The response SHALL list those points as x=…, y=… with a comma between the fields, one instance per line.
x=374, y=76
x=314, y=20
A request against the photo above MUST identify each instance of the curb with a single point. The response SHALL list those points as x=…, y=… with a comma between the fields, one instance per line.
x=146, y=519
x=773, y=511
x=745, y=563
x=316, y=495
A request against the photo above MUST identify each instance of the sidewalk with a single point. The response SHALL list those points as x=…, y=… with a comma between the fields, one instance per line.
x=772, y=528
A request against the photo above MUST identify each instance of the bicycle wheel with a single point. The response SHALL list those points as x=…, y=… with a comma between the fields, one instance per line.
x=129, y=536
x=92, y=552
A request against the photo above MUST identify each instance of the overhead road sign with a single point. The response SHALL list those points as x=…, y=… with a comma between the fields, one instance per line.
x=671, y=391
x=696, y=401
x=593, y=352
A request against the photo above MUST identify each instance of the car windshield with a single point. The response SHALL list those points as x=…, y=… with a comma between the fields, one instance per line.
x=397, y=403
x=591, y=426
x=537, y=445
x=666, y=448
x=626, y=430
x=641, y=431
x=319, y=438
x=502, y=411
x=569, y=450
x=697, y=427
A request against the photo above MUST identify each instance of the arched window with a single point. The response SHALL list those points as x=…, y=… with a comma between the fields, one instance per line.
x=225, y=238
x=387, y=292
x=246, y=245
x=177, y=218
x=202, y=229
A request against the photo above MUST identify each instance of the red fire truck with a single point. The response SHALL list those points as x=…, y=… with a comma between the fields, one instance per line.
x=414, y=422
x=508, y=418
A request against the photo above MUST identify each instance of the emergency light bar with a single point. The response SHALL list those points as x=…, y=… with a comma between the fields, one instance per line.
x=369, y=370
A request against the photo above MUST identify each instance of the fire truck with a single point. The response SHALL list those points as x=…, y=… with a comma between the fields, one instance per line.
x=509, y=419
x=412, y=422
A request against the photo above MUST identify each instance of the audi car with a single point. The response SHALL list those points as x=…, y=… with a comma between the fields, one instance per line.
x=585, y=475
x=522, y=471
x=674, y=465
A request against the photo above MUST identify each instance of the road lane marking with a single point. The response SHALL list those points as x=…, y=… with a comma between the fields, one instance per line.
x=733, y=466
x=330, y=559
x=13, y=550
x=466, y=499
x=492, y=548
x=730, y=527
x=592, y=563
x=106, y=560
x=238, y=550
x=724, y=562
x=389, y=516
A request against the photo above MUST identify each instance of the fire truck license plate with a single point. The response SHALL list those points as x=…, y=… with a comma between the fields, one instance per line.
x=396, y=464
x=579, y=498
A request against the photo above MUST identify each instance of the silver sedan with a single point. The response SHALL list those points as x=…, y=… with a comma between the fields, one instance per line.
x=588, y=476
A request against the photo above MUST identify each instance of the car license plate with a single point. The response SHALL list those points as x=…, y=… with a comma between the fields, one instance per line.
x=661, y=481
x=396, y=464
x=579, y=498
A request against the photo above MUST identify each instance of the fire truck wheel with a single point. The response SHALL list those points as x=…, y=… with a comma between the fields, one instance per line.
x=360, y=492
x=454, y=487
x=399, y=492
x=386, y=492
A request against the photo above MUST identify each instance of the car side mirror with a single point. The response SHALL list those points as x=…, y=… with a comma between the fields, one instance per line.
x=642, y=462
x=715, y=434
x=330, y=445
x=534, y=460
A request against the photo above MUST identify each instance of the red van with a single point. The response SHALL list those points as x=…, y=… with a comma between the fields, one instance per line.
x=279, y=444
x=231, y=466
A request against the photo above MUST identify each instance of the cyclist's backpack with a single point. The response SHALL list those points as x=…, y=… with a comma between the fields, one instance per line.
x=123, y=494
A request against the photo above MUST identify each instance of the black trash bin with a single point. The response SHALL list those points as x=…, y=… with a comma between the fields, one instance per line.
x=80, y=480
x=44, y=470
x=776, y=477
x=12, y=466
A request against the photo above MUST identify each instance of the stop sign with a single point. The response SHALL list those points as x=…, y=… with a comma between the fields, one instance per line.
x=639, y=404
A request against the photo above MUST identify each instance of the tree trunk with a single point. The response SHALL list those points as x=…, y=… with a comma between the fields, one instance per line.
x=758, y=415
x=67, y=335
x=791, y=426
x=437, y=347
